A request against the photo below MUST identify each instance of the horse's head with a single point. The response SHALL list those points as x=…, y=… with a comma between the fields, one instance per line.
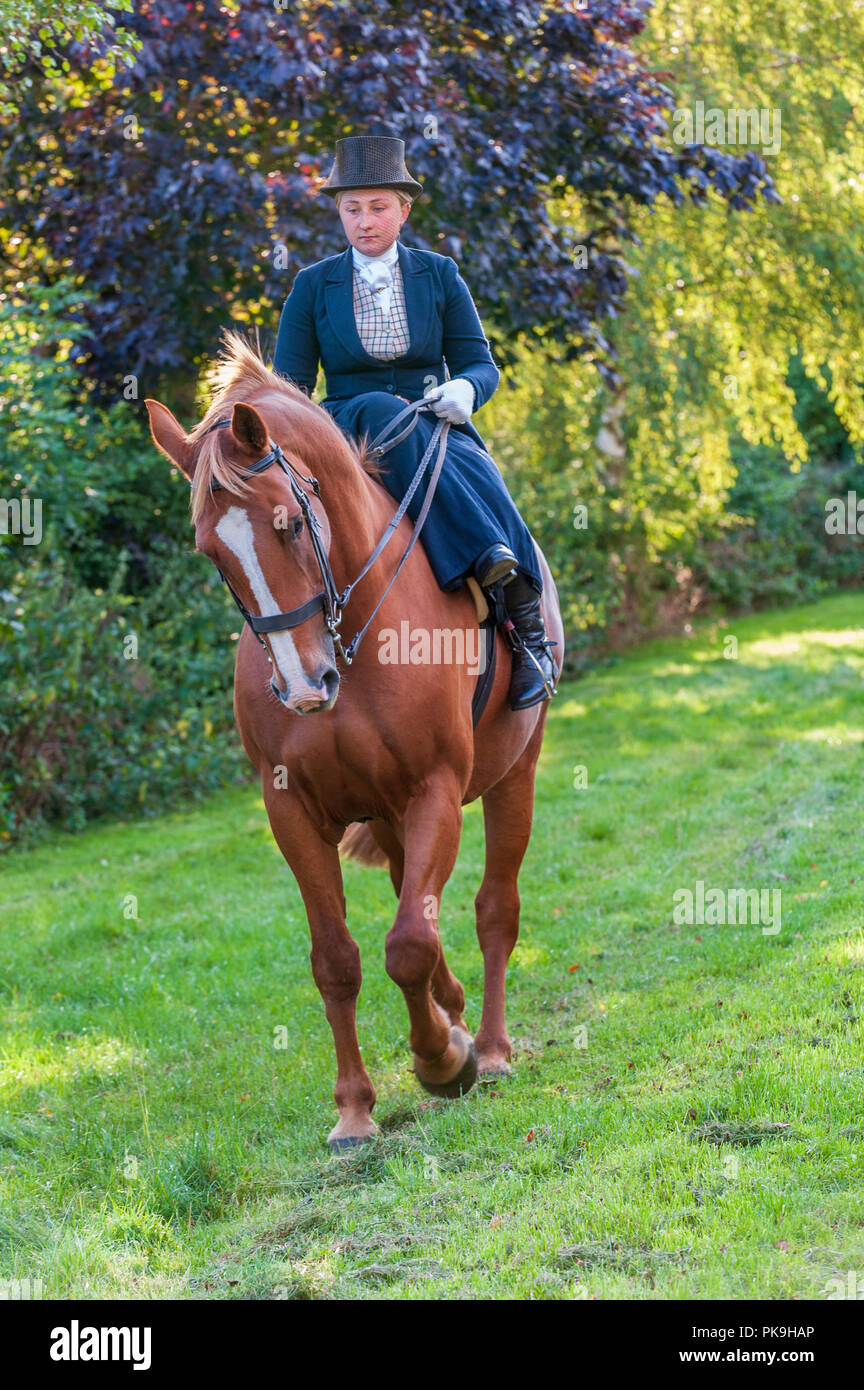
x=254, y=530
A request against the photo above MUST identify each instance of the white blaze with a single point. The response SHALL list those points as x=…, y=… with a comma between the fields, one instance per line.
x=235, y=530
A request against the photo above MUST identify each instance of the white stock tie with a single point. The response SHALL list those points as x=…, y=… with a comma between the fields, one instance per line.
x=378, y=275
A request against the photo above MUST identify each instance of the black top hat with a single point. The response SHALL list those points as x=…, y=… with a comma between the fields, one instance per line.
x=371, y=161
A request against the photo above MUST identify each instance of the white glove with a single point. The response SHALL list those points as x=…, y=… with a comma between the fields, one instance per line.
x=454, y=401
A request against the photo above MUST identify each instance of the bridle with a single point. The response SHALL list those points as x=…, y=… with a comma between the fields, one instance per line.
x=330, y=601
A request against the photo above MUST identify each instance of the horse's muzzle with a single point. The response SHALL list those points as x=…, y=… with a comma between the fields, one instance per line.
x=316, y=698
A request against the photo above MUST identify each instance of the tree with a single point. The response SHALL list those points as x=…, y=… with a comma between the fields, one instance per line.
x=182, y=191
x=735, y=328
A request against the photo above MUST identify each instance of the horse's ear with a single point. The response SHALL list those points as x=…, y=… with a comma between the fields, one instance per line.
x=249, y=429
x=170, y=437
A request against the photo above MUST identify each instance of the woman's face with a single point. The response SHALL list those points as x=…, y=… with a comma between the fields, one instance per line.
x=372, y=219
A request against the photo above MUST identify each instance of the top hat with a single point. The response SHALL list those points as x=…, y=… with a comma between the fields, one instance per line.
x=370, y=161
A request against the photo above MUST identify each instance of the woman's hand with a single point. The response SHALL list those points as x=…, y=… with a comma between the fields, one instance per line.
x=454, y=401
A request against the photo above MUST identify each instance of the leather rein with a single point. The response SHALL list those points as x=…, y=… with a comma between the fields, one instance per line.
x=330, y=601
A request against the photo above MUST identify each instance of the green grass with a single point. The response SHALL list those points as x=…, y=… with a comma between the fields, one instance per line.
x=706, y=1141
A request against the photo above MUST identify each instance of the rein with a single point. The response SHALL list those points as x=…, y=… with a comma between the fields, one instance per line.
x=330, y=600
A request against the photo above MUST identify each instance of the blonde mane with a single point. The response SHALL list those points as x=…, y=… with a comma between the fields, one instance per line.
x=240, y=374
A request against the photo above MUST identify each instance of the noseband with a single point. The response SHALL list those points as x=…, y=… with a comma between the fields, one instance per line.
x=330, y=600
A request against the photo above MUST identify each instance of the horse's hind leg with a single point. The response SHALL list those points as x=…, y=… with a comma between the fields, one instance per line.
x=335, y=959
x=508, y=809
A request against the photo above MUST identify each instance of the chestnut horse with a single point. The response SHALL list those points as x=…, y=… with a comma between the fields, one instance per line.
x=389, y=744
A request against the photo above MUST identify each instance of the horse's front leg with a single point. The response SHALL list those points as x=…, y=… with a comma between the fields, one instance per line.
x=443, y=1051
x=335, y=959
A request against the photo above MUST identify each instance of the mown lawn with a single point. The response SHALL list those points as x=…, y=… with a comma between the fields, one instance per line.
x=685, y=1118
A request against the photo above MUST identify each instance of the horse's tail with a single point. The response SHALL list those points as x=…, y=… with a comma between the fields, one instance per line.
x=359, y=843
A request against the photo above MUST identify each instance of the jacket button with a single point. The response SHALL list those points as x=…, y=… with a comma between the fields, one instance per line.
x=390, y=386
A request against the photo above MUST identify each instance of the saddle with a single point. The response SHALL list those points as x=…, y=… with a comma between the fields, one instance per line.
x=480, y=601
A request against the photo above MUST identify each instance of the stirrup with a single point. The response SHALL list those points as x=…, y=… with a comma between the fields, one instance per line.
x=550, y=689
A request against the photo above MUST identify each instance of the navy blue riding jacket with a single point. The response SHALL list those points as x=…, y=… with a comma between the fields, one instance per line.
x=317, y=324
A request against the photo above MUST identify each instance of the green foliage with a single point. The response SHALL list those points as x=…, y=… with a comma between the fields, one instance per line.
x=115, y=670
x=725, y=306
x=741, y=409
x=102, y=489
x=29, y=32
x=638, y=542
x=774, y=548
x=107, y=703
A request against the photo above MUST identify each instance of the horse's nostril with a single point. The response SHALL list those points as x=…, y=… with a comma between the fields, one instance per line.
x=327, y=685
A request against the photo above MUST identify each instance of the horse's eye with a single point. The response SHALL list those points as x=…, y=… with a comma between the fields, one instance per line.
x=297, y=527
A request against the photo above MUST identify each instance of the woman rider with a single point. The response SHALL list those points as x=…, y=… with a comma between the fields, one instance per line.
x=391, y=324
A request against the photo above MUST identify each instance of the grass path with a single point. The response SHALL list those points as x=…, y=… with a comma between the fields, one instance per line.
x=685, y=1119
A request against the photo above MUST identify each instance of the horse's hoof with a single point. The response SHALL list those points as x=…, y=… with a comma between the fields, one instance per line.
x=461, y=1082
x=493, y=1063
x=493, y=1068
x=341, y=1146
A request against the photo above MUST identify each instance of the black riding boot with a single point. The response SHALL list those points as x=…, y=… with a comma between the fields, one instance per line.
x=534, y=672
